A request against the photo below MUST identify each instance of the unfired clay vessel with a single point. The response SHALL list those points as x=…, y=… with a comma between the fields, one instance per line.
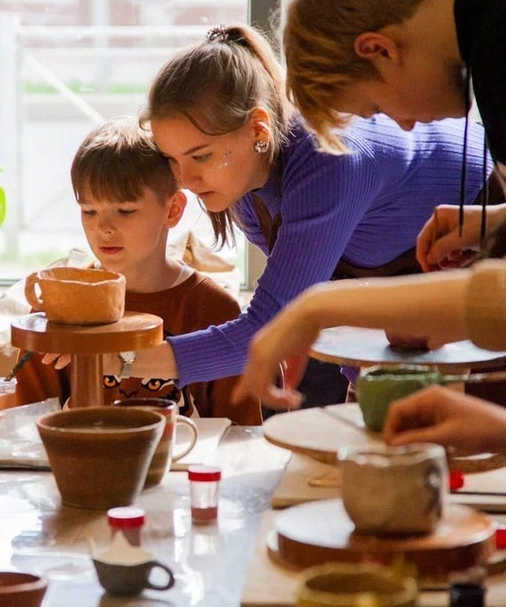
x=77, y=296
x=394, y=490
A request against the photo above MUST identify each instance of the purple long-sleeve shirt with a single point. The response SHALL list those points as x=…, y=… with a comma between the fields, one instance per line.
x=366, y=207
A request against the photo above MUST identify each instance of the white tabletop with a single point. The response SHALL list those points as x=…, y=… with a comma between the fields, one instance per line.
x=38, y=535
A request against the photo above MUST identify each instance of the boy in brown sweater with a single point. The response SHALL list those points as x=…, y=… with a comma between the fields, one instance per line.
x=129, y=200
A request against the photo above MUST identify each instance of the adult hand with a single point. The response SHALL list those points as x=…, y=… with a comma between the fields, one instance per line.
x=440, y=245
x=285, y=340
x=441, y=415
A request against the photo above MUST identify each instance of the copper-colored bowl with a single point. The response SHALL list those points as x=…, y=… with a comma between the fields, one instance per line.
x=100, y=455
x=18, y=589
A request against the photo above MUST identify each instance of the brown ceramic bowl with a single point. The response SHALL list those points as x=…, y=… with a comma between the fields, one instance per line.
x=77, y=296
x=18, y=589
x=100, y=455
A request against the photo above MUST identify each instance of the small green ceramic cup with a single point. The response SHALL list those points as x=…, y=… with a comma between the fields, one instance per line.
x=355, y=585
x=377, y=387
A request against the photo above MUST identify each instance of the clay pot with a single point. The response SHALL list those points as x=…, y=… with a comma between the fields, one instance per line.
x=354, y=585
x=100, y=456
x=164, y=454
x=18, y=589
x=394, y=490
x=377, y=387
x=77, y=296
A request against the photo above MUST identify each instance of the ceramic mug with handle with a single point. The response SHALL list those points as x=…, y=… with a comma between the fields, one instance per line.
x=164, y=454
x=131, y=580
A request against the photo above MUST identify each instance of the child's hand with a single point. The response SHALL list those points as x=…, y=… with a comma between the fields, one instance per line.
x=60, y=360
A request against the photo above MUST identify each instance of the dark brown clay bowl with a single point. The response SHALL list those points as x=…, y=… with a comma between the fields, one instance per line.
x=100, y=455
x=18, y=589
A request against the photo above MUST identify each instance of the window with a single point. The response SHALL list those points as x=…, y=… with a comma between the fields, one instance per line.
x=66, y=66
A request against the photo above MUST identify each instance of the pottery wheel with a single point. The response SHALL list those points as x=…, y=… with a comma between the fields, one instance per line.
x=85, y=344
x=320, y=431
x=317, y=532
x=364, y=347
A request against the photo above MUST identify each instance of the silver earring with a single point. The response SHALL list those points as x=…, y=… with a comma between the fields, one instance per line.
x=261, y=146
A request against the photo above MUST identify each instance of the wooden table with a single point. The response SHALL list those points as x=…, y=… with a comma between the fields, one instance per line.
x=220, y=565
x=38, y=534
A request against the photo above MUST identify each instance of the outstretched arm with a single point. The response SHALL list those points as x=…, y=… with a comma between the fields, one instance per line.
x=432, y=304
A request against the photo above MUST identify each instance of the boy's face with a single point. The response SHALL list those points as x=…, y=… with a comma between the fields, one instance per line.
x=219, y=169
x=125, y=236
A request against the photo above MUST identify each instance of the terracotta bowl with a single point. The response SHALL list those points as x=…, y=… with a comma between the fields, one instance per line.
x=77, y=296
x=18, y=589
x=100, y=456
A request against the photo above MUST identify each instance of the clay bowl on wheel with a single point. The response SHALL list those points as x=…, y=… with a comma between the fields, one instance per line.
x=19, y=589
x=77, y=296
x=100, y=455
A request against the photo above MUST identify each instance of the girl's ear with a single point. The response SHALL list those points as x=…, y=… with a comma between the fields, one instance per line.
x=377, y=48
x=177, y=205
x=260, y=121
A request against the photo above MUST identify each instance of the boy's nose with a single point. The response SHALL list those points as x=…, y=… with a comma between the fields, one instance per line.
x=106, y=227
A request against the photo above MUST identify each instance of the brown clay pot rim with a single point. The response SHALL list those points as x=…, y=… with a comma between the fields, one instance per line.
x=36, y=582
x=113, y=412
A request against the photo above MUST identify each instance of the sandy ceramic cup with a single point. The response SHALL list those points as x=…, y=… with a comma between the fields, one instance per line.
x=355, y=585
x=18, y=589
x=131, y=580
x=377, y=387
x=394, y=490
x=77, y=296
x=164, y=454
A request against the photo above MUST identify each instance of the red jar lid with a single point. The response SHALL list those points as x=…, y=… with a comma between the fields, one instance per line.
x=126, y=517
x=456, y=480
x=204, y=473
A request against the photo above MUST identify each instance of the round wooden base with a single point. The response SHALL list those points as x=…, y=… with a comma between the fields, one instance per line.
x=319, y=532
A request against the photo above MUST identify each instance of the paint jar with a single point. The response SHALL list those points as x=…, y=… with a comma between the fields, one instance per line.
x=204, y=491
x=467, y=588
x=128, y=520
x=7, y=393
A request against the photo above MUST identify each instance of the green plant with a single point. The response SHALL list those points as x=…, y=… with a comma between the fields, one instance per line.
x=2, y=204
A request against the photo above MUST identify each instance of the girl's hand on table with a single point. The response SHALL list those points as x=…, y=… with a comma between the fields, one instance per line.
x=441, y=415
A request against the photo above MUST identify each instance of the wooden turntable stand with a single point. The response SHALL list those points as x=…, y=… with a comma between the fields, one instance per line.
x=86, y=344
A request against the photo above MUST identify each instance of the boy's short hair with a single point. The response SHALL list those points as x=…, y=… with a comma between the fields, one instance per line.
x=117, y=160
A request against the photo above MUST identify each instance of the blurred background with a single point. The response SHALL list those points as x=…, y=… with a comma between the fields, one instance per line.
x=67, y=65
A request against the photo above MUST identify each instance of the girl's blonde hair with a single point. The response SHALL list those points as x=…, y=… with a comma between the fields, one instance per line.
x=216, y=84
x=319, y=40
